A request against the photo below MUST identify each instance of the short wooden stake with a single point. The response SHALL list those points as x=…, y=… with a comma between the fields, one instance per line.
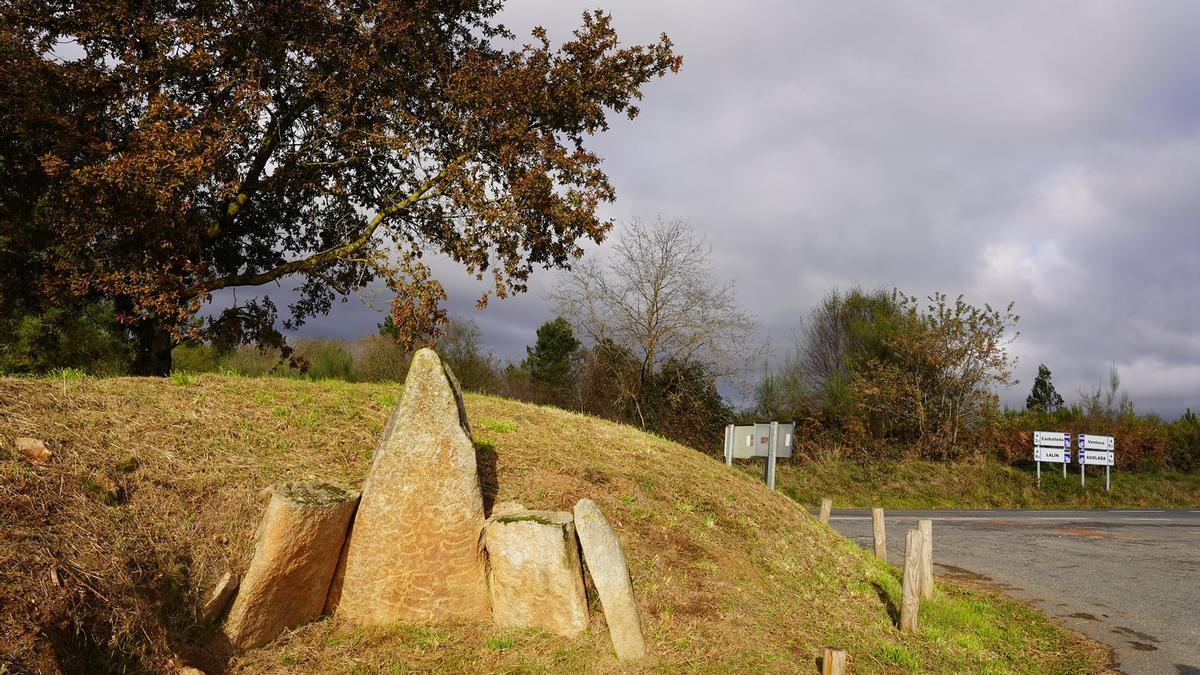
x=833, y=661
x=826, y=507
x=880, y=532
x=926, y=528
x=910, y=602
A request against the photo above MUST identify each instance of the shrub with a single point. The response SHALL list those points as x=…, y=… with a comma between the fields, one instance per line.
x=378, y=358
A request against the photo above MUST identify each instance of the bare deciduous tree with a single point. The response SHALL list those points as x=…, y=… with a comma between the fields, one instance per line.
x=655, y=300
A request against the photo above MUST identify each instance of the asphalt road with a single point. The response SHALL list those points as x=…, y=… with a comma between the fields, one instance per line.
x=1130, y=579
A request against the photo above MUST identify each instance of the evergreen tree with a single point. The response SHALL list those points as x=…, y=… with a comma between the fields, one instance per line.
x=1043, y=397
x=549, y=359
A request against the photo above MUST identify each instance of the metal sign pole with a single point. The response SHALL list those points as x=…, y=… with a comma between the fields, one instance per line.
x=1039, y=474
x=729, y=445
x=772, y=441
x=1107, y=475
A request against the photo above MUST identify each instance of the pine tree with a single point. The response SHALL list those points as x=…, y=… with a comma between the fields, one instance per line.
x=1043, y=397
x=549, y=359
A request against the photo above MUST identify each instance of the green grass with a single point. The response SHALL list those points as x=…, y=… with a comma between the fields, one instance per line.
x=984, y=484
x=498, y=426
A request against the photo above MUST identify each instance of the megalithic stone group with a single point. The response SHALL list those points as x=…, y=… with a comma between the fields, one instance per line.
x=416, y=550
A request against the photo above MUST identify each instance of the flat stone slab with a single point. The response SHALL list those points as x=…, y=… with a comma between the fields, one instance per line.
x=299, y=542
x=535, y=575
x=606, y=565
x=415, y=551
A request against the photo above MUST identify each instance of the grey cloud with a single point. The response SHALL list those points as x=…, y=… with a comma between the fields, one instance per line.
x=1040, y=152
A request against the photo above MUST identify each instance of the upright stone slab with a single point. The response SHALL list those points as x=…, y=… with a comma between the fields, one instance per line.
x=415, y=552
x=606, y=563
x=535, y=576
x=299, y=541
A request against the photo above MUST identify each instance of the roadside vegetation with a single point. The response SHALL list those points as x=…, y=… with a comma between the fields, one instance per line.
x=152, y=492
x=876, y=375
x=981, y=483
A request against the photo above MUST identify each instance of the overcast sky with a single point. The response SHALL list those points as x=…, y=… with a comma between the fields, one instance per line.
x=1037, y=152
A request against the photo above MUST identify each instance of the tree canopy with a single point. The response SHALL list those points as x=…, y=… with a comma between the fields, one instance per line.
x=1043, y=397
x=549, y=360
x=155, y=153
x=655, y=300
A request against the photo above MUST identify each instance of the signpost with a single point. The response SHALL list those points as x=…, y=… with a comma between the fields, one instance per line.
x=1097, y=451
x=768, y=440
x=1051, y=446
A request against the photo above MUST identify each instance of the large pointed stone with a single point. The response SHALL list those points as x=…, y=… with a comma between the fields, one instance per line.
x=606, y=564
x=534, y=572
x=415, y=551
x=299, y=541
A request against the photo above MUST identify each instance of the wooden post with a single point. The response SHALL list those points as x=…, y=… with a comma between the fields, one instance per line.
x=826, y=507
x=833, y=661
x=926, y=528
x=910, y=602
x=880, y=532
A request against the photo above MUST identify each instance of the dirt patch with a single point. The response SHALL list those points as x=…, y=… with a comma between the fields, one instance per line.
x=1122, y=630
x=1083, y=615
x=1092, y=532
x=1143, y=647
x=954, y=572
x=1006, y=523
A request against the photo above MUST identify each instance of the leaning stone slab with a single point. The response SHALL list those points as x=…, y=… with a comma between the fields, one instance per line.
x=535, y=576
x=218, y=599
x=299, y=541
x=606, y=563
x=415, y=552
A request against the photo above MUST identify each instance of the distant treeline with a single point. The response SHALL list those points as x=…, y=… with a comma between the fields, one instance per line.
x=881, y=375
x=870, y=375
x=682, y=402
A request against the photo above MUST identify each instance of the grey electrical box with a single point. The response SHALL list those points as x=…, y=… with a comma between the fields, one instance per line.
x=744, y=443
x=753, y=440
x=770, y=441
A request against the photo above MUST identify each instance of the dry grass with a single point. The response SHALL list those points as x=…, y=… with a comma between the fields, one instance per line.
x=153, y=493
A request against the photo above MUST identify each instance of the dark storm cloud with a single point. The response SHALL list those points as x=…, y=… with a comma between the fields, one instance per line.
x=1043, y=153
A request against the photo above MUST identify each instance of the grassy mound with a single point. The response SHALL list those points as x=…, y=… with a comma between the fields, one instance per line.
x=107, y=552
x=983, y=484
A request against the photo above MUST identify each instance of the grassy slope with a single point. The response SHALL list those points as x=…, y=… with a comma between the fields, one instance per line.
x=976, y=485
x=728, y=575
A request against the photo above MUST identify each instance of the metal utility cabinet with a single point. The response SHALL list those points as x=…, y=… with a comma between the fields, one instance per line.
x=769, y=440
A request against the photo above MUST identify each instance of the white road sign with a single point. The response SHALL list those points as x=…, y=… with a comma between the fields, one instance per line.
x=1097, y=458
x=1056, y=455
x=1051, y=439
x=1094, y=442
x=1052, y=446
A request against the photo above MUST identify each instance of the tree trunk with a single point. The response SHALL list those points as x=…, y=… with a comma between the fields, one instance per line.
x=152, y=351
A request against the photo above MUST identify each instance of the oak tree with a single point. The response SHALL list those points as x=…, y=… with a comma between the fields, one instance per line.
x=156, y=153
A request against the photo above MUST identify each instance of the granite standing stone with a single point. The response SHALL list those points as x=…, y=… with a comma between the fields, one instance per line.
x=415, y=551
x=606, y=563
x=535, y=575
x=299, y=541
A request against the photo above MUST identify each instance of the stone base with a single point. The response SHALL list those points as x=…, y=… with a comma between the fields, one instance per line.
x=535, y=576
